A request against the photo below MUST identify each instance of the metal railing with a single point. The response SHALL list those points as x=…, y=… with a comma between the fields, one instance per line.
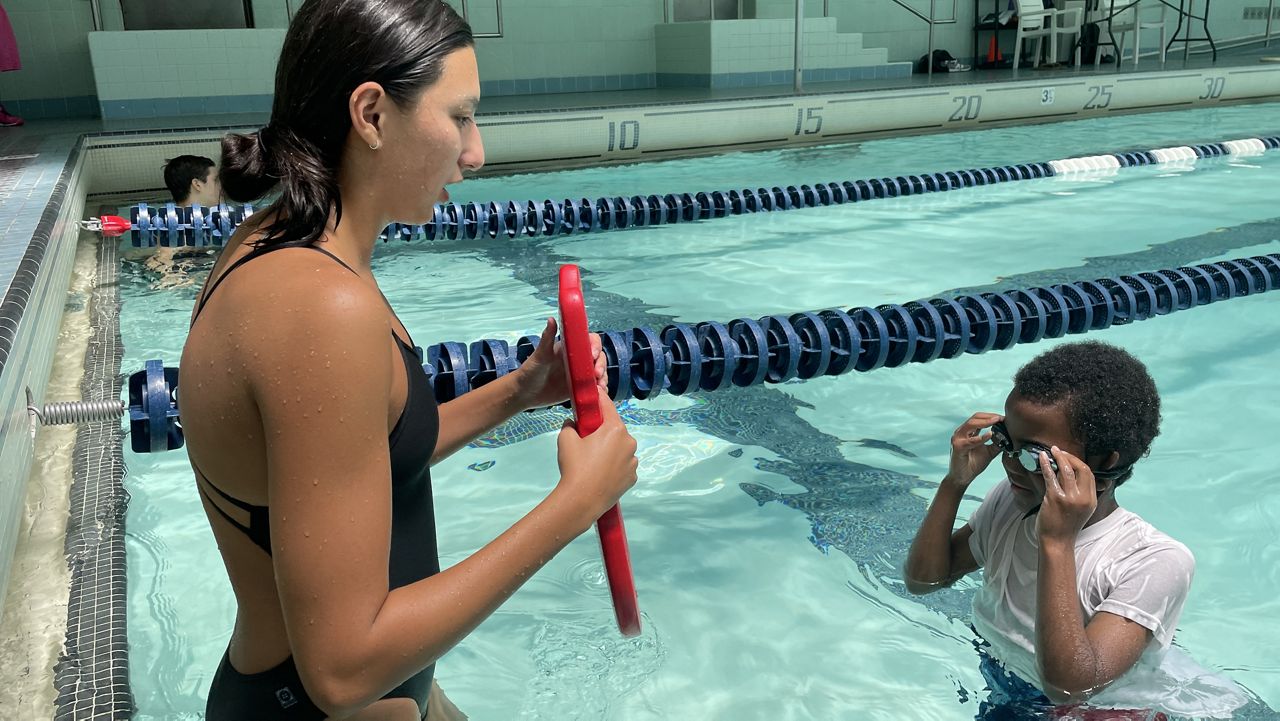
x=668, y=14
x=1271, y=13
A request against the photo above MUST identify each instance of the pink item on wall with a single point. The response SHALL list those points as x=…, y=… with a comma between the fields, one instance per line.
x=9, y=59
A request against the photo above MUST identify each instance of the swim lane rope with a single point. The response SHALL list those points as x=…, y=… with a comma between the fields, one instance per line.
x=173, y=226
x=708, y=356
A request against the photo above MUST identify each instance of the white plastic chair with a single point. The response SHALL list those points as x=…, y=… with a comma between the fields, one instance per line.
x=1125, y=17
x=1036, y=22
x=1148, y=20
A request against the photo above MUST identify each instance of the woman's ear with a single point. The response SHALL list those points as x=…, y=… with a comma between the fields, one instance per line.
x=365, y=106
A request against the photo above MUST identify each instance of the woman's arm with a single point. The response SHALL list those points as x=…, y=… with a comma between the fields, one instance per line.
x=323, y=388
x=471, y=415
x=538, y=383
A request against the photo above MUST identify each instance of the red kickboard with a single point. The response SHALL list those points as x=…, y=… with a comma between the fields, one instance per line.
x=586, y=409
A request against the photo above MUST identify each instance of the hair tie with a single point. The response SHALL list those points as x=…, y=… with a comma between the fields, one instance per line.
x=264, y=140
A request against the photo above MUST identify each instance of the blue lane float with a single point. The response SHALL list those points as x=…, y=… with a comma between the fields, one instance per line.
x=709, y=356
x=171, y=226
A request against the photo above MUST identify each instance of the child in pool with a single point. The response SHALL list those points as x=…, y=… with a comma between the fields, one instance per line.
x=1080, y=597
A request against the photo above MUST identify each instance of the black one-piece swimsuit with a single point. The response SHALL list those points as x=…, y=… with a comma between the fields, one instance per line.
x=278, y=694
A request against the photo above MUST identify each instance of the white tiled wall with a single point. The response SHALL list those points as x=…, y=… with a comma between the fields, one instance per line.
x=184, y=63
x=51, y=41
x=738, y=46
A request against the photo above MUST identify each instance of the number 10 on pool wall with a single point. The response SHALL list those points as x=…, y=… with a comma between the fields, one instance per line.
x=624, y=135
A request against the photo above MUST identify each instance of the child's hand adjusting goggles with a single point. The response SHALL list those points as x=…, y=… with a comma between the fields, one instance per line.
x=1028, y=456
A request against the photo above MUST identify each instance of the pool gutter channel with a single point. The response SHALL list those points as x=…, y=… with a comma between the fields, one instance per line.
x=92, y=675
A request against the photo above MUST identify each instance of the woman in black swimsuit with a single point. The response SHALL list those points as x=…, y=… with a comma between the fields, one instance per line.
x=310, y=424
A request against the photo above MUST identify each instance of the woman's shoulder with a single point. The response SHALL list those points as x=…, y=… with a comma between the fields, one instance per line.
x=284, y=297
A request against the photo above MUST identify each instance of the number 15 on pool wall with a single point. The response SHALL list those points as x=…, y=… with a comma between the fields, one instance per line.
x=808, y=121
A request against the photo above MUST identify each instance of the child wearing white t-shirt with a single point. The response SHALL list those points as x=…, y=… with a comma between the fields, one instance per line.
x=1080, y=598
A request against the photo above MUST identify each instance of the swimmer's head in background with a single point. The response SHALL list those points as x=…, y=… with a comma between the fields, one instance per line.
x=192, y=179
x=332, y=48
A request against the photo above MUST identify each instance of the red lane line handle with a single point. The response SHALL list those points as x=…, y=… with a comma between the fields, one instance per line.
x=586, y=409
x=114, y=226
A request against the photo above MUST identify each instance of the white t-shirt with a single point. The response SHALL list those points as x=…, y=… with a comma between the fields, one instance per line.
x=1124, y=566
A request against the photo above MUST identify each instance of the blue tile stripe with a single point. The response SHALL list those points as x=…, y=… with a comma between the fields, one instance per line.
x=83, y=106
x=575, y=84
x=782, y=77
x=144, y=108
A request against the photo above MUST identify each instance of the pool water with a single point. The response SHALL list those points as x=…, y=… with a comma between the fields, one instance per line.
x=769, y=525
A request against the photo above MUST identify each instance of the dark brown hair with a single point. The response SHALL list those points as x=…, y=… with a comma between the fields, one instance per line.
x=332, y=47
x=179, y=172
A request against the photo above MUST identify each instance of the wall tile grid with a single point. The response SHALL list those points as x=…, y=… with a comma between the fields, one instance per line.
x=56, y=80
x=144, y=74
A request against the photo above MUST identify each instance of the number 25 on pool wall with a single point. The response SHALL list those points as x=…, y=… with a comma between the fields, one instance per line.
x=1101, y=97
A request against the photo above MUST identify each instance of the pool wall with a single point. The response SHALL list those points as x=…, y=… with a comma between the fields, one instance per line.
x=30, y=316
x=526, y=141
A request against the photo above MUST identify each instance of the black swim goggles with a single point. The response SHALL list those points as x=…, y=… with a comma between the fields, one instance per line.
x=1028, y=456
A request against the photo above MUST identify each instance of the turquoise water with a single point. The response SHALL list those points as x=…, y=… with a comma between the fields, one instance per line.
x=768, y=525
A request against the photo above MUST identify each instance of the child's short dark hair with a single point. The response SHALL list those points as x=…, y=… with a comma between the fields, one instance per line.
x=1110, y=399
x=179, y=172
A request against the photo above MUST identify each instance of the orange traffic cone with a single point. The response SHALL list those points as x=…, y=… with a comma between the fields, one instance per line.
x=993, y=49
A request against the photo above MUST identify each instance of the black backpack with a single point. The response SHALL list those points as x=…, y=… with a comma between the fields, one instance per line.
x=940, y=60
x=1090, y=36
